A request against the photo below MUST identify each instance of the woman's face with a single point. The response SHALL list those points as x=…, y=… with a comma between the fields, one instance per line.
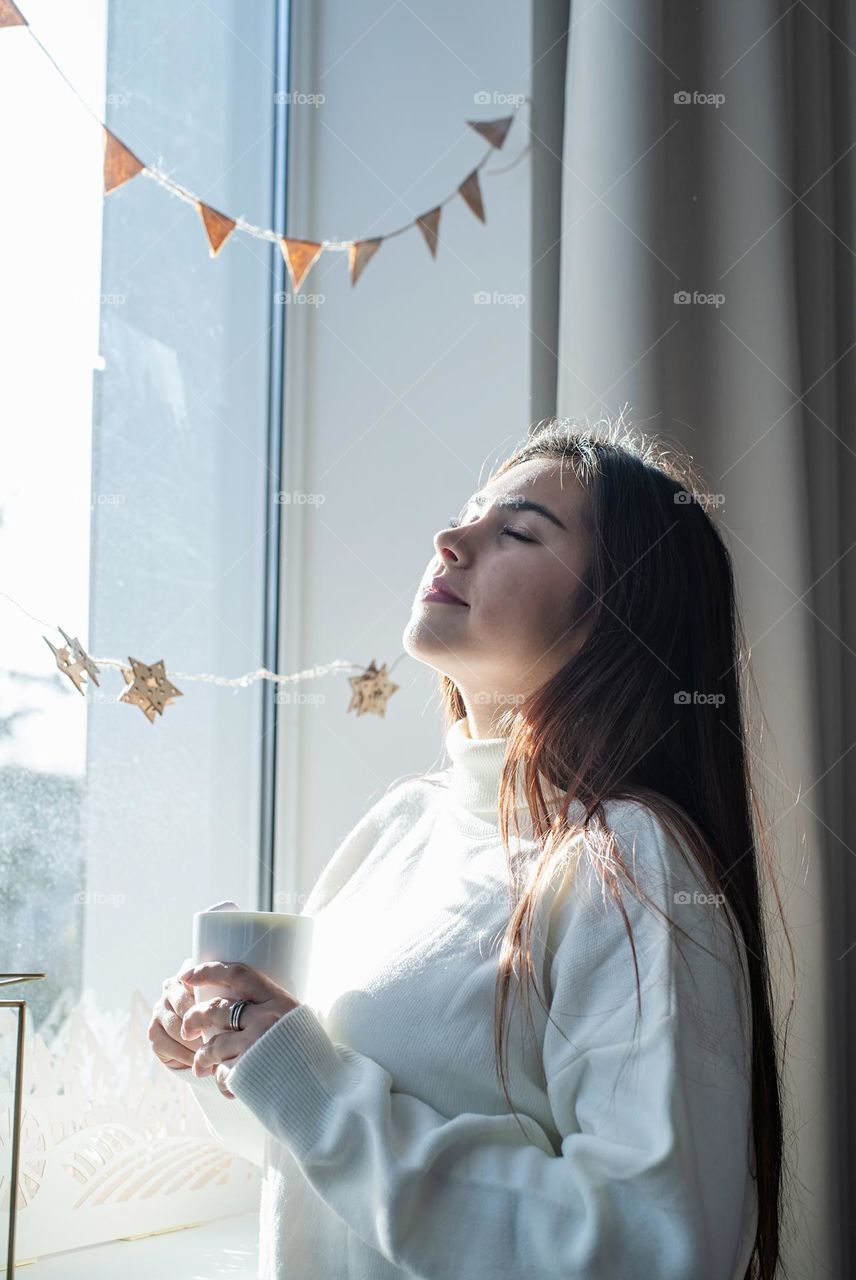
x=514, y=630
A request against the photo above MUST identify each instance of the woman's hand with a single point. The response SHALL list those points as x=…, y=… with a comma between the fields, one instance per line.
x=268, y=1003
x=164, y=1030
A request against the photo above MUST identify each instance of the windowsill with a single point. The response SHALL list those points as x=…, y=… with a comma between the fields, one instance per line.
x=208, y=1252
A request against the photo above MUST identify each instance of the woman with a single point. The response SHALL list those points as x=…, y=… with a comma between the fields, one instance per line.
x=584, y=628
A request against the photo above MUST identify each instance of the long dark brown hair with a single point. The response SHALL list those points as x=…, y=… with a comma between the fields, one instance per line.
x=657, y=616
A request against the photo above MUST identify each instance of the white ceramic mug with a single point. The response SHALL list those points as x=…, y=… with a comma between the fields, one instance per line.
x=278, y=945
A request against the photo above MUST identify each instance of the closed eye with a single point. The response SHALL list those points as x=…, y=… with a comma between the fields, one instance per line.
x=454, y=523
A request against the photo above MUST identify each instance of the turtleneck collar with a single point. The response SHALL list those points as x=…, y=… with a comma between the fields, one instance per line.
x=476, y=770
x=474, y=780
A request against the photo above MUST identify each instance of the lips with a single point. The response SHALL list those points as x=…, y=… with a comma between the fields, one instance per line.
x=441, y=593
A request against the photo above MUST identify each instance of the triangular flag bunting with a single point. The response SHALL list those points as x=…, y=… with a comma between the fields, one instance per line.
x=471, y=191
x=428, y=225
x=494, y=130
x=120, y=164
x=217, y=226
x=299, y=256
x=360, y=253
x=11, y=16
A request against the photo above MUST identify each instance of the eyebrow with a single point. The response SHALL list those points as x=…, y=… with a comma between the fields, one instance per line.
x=522, y=504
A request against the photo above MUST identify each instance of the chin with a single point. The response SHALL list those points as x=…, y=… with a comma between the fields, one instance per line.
x=423, y=640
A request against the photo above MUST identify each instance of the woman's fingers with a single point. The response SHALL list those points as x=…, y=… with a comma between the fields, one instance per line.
x=208, y=1013
x=242, y=979
x=220, y=1048
x=168, y=1047
x=179, y=996
x=164, y=1029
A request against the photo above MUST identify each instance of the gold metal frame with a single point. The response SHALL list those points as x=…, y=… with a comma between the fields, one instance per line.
x=6, y=979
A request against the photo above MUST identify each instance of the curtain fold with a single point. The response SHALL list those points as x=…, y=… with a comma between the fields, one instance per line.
x=706, y=285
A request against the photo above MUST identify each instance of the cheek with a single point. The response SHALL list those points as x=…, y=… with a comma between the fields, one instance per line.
x=522, y=605
x=534, y=605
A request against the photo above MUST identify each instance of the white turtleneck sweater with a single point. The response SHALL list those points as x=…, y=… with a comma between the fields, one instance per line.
x=375, y=1109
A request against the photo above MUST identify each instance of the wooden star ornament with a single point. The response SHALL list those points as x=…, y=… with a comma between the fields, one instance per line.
x=73, y=661
x=148, y=688
x=371, y=690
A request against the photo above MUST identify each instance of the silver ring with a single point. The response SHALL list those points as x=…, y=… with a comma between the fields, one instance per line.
x=235, y=1014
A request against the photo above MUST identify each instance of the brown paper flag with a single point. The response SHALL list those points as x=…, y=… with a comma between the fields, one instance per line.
x=360, y=253
x=217, y=226
x=299, y=256
x=11, y=16
x=471, y=191
x=494, y=130
x=120, y=164
x=428, y=225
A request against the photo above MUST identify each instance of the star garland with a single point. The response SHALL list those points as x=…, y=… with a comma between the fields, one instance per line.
x=147, y=685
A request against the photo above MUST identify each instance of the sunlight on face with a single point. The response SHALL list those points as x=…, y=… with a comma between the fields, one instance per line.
x=518, y=569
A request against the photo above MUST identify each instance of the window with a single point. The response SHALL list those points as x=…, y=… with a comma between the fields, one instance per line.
x=133, y=513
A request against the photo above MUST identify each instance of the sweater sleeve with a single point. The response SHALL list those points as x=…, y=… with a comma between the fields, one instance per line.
x=648, y=1176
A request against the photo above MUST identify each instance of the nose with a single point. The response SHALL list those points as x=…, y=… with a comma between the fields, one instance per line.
x=444, y=545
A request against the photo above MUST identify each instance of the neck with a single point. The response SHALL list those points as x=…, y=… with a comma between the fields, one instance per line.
x=482, y=720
